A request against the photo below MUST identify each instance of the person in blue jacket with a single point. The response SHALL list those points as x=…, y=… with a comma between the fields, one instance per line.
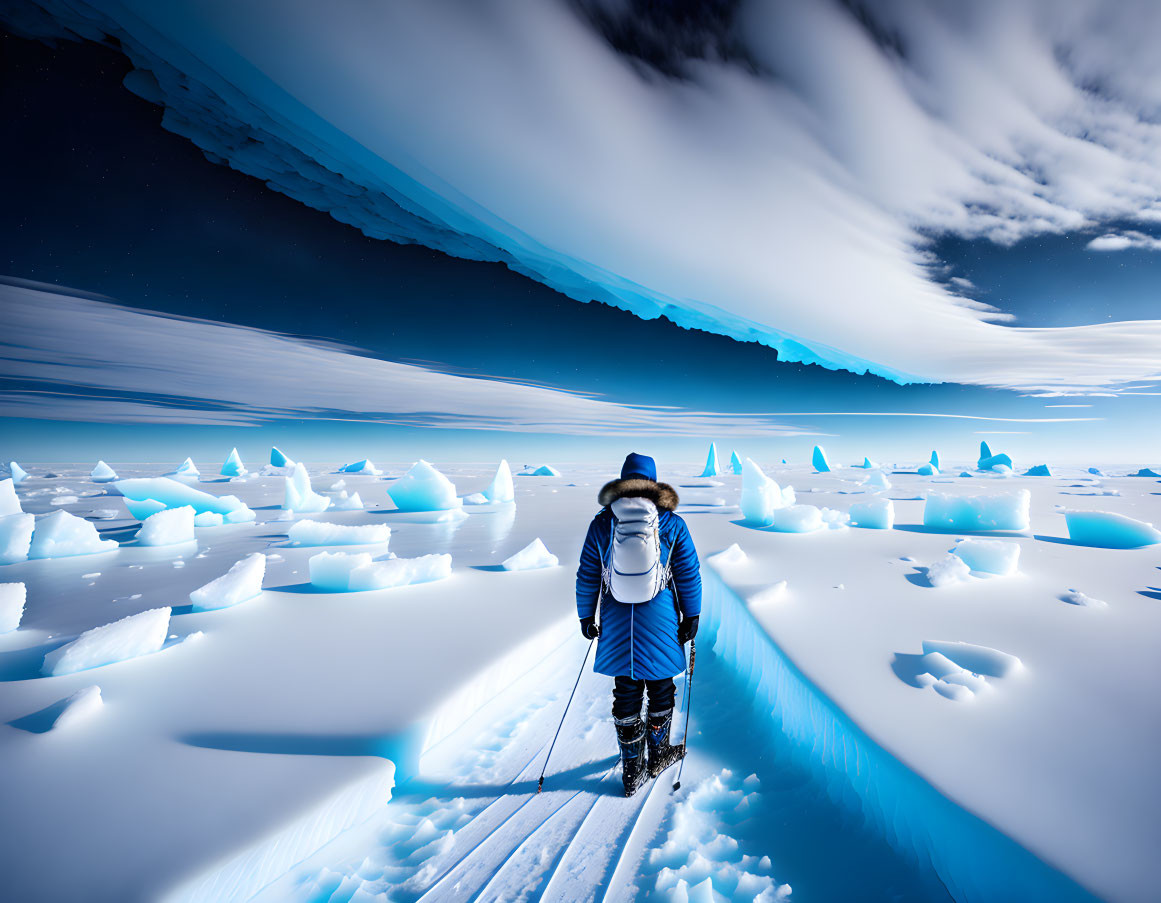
x=640, y=645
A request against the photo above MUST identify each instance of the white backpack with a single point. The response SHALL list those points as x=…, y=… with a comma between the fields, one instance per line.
x=633, y=568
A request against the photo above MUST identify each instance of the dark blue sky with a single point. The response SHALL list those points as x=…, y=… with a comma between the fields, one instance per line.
x=99, y=197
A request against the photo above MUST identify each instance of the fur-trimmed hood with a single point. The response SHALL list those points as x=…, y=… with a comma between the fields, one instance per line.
x=662, y=495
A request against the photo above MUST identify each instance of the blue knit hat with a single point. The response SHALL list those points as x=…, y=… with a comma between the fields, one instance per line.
x=640, y=466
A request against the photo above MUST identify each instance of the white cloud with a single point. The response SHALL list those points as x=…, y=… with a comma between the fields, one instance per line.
x=790, y=203
x=77, y=358
x=1121, y=241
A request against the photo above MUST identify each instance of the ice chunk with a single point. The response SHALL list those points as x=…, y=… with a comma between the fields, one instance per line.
x=128, y=638
x=148, y=495
x=340, y=572
x=934, y=460
x=727, y=558
x=476, y=498
x=208, y=519
x=9, y=503
x=168, y=527
x=501, y=488
x=318, y=533
x=233, y=466
x=835, y=519
x=299, y=494
x=79, y=707
x=998, y=463
x=346, y=502
x=819, y=460
x=17, y=472
x=1109, y=530
x=711, y=462
x=877, y=514
x=735, y=462
x=103, y=473
x=1038, y=470
x=1146, y=472
x=867, y=464
x=12, y=599
x=241, y=515
x=1002, y=511
x=542, y=471
x=928, y=470
x=977, y=659
x=990, y=556
x=186, y=470
x=761, y=496
x=278, y=458
x=876, y=482
x=365, y=466
x=241, y=582
x=534, y=555
x=62, y=535
x=964, y=473
x=947, y=571
x=1076, y=597
x=15, y=537
x=797, y=519
x=1096, y=470
x=423, y=488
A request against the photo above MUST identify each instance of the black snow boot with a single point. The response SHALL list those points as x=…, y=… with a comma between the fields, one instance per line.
x=631, y=736
x=661, y=753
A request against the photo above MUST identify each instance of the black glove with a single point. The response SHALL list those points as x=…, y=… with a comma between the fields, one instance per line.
x=687, y=629
x=590, y=630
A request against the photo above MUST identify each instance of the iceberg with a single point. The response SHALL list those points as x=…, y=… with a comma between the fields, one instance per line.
x=15, y=537
x=12, y=599
x=976, y=659
x=964, y=513
x=989, y=556
x=423, y=488
x=867, y=464
x=711, y=462
x=148, y=495
x=208, y=519
x=300, y=497
x=1096, y=471
x=475, y=498
x=365, y=466
x=343, y=572
x=81, y=706
x=532, y=556
x=501, y=488
x=167, y=528
x=989, y=461
x=819, y=460
x=278, y=458
x=130, y=637
x=928, y=470
x=1146, y=472
x=1108, y=530
x=63, y=535
x=1038, y=470
x=9, y=503
x=233, y=466
x=102, y=473
x=318, y=533
x=876, y=482
x=797, y=519
x=186, y=470
x=877, y=514
x=344, y=502
x=761, y=496
x=17, y=472
x=543, y=470
x=735, y=463
x=934, y=459
x=241, y=582
x=947, y=571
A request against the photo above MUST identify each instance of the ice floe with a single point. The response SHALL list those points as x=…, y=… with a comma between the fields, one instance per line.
x=63, y=535
x=340, y=572
x=876, y=514
x=243, y=581
x=1000, y=511
x=299, y=496
x=319, y=533
x=534, y=555
x=169, y=527
x=148, y=495
x=1109, y=530
x=136, y=635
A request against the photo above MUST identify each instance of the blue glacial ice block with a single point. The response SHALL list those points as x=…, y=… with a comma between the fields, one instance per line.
x=233, y=466
x=365, y=466
x=278, y=458
x=973, y=513
x=735, y=462
x=928, y=470
x=995, y=461
x=985, y=450
x=1108, y=530
x=976, y=862
x=423, y=488
x=867, y=464
x=148, y=495
x=18, y=473
x=1147, y=472
x=819, y=460
x=877, y=514
x=1038, y=470
x=934, y=461
x=711, y=462
x=1096, y=470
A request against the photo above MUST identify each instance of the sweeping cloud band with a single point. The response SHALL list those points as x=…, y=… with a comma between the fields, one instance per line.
x=764, y=189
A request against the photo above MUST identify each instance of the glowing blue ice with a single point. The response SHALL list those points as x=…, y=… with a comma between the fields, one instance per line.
x=278, y=458
x=148, y=495
x=928, y=470
x=934, y=459
x=1108, y=530
x=819, y=460
x=12, y=599
x=233, y=466
x=1038, y=470
x=735, y=463
x=365, y=466
x=1147, y=472
x=711, y=462
x=989, y=461
x=969, y=513
x=423, y=488
x=877, y=514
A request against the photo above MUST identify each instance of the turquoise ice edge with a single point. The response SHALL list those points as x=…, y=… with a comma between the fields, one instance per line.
x=975, y=862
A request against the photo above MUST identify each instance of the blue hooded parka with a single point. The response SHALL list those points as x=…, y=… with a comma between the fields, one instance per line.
x=640, y=640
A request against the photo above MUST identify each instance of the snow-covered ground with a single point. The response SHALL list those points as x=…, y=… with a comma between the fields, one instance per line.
x=305, y=745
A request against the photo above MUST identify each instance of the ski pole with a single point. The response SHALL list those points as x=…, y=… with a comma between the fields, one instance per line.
x=540, y=783
x=688, y=694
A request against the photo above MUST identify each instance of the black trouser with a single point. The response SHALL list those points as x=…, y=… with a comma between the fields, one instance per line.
x=628, y=694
